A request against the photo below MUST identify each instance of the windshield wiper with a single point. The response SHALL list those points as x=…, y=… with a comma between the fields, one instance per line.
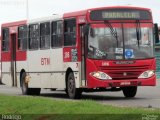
x=112, y=30
x=138, y=31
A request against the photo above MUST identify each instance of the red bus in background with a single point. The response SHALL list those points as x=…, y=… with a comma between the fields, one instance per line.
x=98, y=49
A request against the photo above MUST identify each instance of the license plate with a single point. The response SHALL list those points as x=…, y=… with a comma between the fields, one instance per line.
x=125, y=83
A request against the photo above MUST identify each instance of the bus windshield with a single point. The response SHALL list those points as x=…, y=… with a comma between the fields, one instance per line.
x=120, y=42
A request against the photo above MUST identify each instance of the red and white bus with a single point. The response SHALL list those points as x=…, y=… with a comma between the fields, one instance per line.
x=98, y=49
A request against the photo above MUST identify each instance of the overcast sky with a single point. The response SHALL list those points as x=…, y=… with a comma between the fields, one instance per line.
x=13, y=10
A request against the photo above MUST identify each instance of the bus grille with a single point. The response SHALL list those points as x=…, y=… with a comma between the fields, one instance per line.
x=124, y=72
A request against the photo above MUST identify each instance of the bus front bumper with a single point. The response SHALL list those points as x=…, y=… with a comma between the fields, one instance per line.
x=96, y=83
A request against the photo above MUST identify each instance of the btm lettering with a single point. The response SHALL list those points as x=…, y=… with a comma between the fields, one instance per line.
x=45, y=61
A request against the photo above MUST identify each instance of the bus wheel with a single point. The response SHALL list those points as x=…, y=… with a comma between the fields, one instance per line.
x=130, y=91
x=73, y=92
x=25, y=89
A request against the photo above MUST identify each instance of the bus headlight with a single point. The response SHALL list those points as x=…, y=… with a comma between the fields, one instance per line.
x=147, y=74
x=101, y=75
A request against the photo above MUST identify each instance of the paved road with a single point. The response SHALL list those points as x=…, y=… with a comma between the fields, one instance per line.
x=146, y=96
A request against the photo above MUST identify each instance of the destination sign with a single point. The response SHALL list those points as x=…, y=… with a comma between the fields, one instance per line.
x=125, y=15
x=119, y=14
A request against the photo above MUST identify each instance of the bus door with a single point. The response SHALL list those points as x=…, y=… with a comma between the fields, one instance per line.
x=83, y=56
x=13, y=59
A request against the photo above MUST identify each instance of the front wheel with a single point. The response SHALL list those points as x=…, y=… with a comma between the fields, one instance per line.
x=130, y=91
x=72, y=91
x=25, y=89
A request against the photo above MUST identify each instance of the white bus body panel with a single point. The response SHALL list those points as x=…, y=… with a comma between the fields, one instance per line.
x=50, y=74
x=38, y=71
x=6, y=73
x=58, y=76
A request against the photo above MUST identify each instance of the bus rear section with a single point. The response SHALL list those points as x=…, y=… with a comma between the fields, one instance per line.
x=11, y=56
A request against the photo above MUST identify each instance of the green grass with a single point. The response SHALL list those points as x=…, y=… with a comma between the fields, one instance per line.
x=41, y=108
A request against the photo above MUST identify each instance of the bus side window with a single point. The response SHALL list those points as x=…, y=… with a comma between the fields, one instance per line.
x=45, y=35
x=5, y=39
x=34, y=36
x=57, y=31
x=22, y=37
x=70, y=32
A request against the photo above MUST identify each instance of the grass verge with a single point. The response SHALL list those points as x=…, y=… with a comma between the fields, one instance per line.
x=40, y=108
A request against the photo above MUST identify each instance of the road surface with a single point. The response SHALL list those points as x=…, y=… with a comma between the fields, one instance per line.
x=146, y=96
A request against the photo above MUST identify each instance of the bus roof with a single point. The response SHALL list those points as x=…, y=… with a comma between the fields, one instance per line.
x=66, y=15
x=44, y=19
x=117, y=7
x=83, y=12
x=10, y=24
x=32, y=21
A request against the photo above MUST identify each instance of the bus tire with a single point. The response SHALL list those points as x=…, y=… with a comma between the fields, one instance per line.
x=129, y=91
x=25, y=89
x=73, y=92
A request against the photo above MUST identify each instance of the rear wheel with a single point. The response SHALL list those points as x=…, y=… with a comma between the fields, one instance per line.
x=73, y=92
x=130, y=91
x=25, y=89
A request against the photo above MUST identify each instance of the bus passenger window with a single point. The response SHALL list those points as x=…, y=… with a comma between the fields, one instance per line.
x=57, y=30
x=34, y=36
x=45, y=35
x=22, y=37
x=70, y=32
x=5, y=39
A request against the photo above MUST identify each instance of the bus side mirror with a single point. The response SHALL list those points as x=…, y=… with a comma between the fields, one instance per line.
x=156, y=35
